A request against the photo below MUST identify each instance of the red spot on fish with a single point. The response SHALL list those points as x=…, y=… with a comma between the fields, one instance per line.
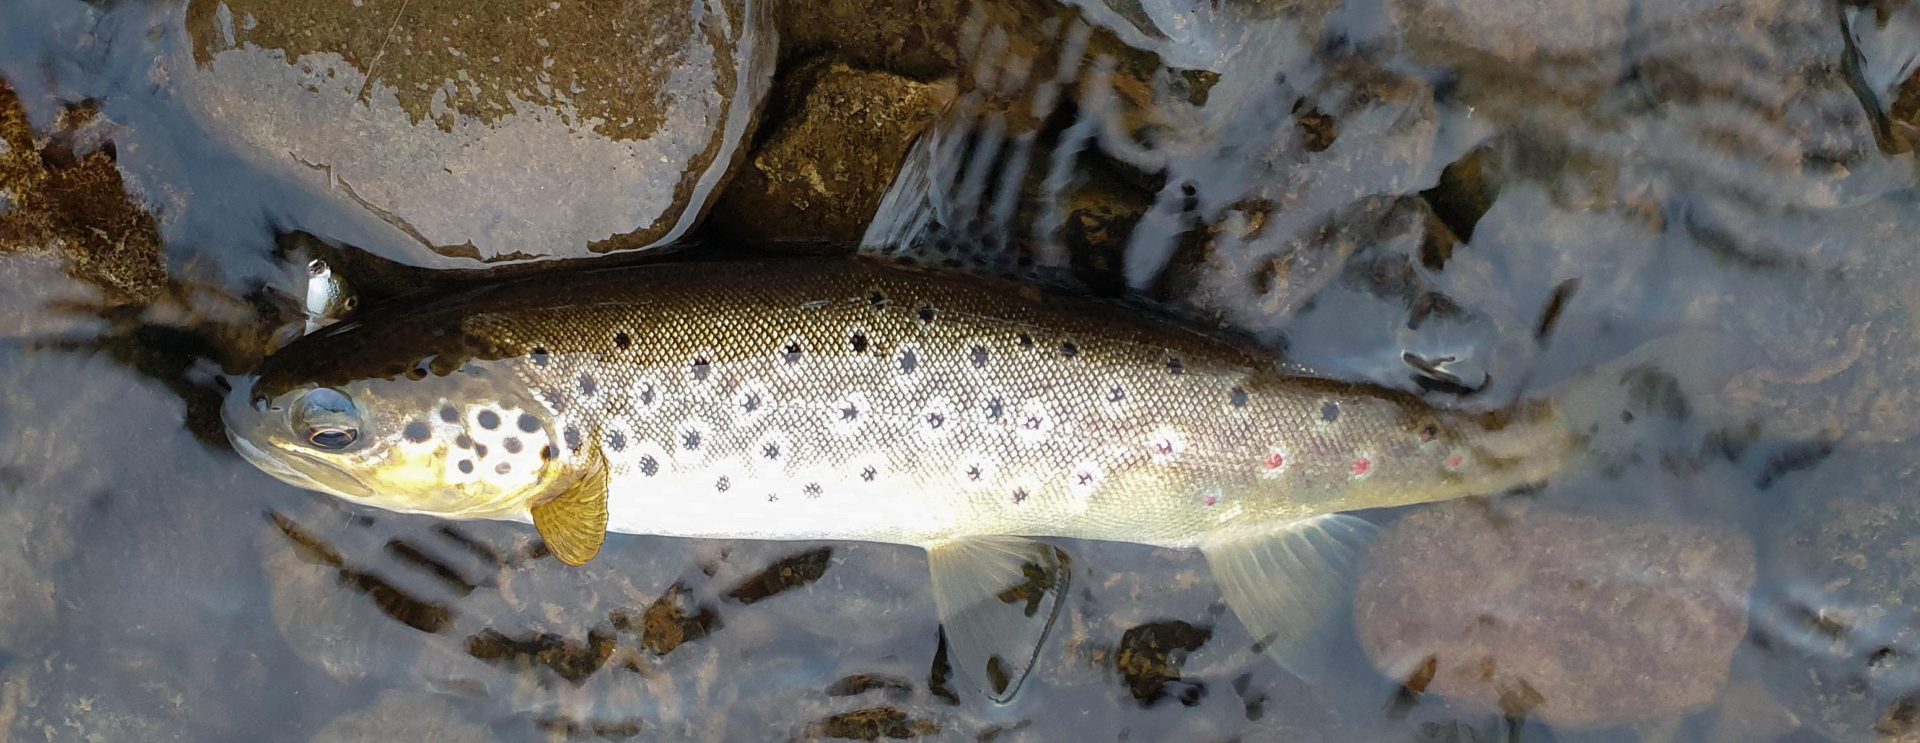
x=1362, y=467
x=1211, y=500
x=1454, y=462
x=1275, y=461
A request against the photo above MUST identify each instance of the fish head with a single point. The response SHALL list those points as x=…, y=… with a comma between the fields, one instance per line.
x=446, y=435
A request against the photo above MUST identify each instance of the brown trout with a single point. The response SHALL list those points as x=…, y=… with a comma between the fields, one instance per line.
x=832, y=399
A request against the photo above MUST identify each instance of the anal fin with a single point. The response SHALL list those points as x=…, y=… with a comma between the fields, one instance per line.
x=997, y=598
x=574, y=522
x=1290, y=582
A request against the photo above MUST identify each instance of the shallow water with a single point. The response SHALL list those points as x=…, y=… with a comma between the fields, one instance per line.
x=1460, y=198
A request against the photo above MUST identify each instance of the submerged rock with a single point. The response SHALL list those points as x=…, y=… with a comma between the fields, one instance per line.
x=819, y=175
x=1843, y=635
x=408, y=716
x=61, y=198
x=496, y=133
x=1577, y=620
x=53, y=476
x=1760, y=117
x=113, y=693
x=1553, y=46
x=918, y=38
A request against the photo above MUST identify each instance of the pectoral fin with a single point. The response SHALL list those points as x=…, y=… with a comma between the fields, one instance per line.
x=997, y=598
x=574, y=523
x=1289, y=583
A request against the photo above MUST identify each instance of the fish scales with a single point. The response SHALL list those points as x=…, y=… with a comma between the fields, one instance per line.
x=846, y=400
x=825, y=399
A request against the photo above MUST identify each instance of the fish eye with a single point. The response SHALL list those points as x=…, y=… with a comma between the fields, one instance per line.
x=329, y=418
x=332, y=438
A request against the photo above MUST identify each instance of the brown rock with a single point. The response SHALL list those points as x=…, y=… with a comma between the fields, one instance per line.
x=470, y=135
x=1525, y=30
x=919, y=38
x=55, y=199
x=818, y=177
x=873, y=723
x=1574, y=619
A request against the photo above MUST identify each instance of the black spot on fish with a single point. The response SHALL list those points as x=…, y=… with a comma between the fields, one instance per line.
x=528, y=423
x=417, y=432
x=750, y=402
x=1116, y=394
x=1175, y=366
x=926, y=313
x=540, y=356
x=466, y=466
x=1069, y=350
x=449, y=415
x=1020, y=495
x=646, y=396
x=572, y=437
x=1026, y=340
x=1238, y=397
x=973, y=473
x=868, y=473
x=512, y=445
x=480, y=451
x=724, y=484
x=849, y=412
x=622, y=340
x=978, y=356
x=773, y=498
x=791, y=354
x=995, y=408
x=587, y=385
x=463, y=441
x=555, y=400
x=649, y=466
x=812, y=490
x=858, y=342
x=700, y=369
x=877, y=299
x=770, y=450
x=488, y=419
x=909, y=361
x=936, y=420
x=503, y=468
x=1033, y=422
x=690, y=440
x=617, y=441
x=1329, y=411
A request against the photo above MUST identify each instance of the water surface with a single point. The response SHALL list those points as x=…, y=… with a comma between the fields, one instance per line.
x=1461, y=198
